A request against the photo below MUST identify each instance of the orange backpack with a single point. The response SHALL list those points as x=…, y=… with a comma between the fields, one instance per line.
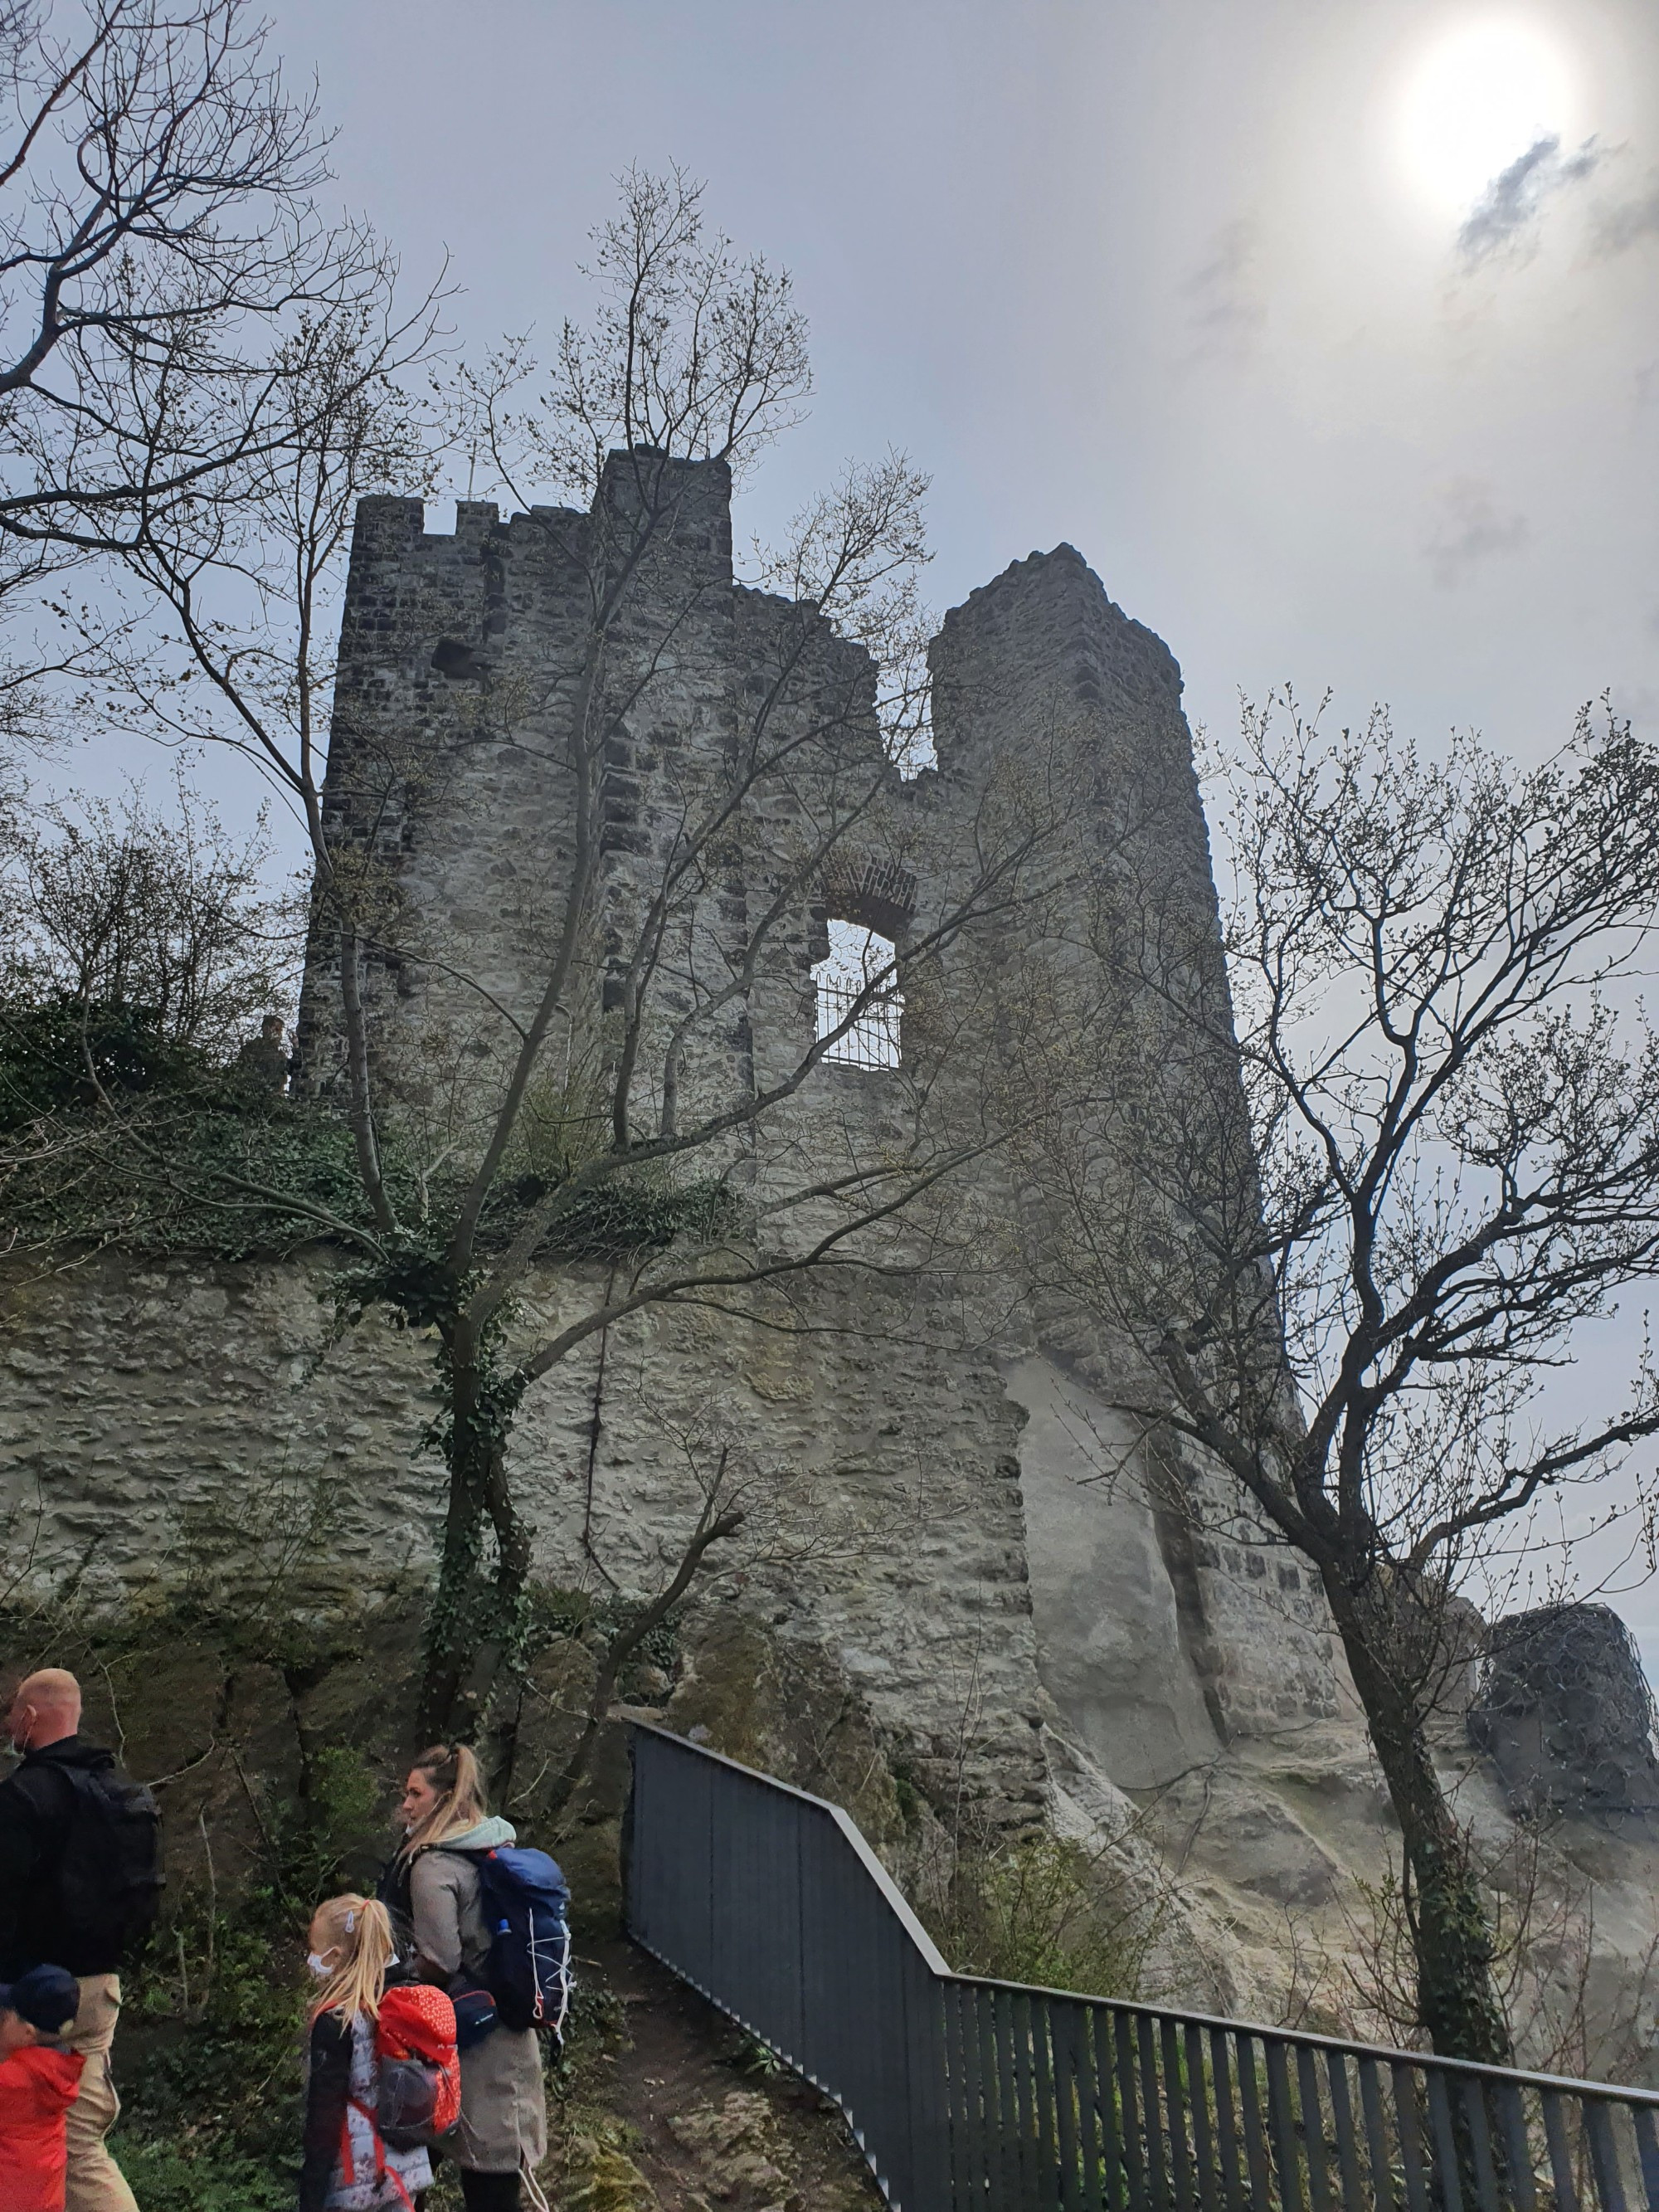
x=419, y=2096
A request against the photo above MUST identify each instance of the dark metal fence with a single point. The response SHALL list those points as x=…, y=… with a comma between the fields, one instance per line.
x=964, y=2093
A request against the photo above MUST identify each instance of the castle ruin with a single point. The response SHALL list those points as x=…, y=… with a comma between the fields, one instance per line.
x=1015, y=1623
x=1155, y=1646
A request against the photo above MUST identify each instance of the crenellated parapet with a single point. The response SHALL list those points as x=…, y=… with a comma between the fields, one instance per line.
x=479, y=667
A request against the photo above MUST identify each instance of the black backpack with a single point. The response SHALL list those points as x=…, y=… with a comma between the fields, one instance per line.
x=110, y=1877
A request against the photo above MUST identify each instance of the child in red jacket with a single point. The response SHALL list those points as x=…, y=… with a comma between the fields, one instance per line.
x=39, y=2080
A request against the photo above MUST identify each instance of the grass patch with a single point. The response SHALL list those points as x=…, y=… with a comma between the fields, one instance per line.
x=213, y=2029
x=186, y=2179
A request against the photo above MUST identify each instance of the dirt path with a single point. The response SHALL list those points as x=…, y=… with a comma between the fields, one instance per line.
x=672, y=2109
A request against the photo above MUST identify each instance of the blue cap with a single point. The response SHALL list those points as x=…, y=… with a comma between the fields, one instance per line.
x=47, y=1997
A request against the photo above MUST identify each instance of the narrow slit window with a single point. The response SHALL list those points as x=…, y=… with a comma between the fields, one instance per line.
x=857, y=981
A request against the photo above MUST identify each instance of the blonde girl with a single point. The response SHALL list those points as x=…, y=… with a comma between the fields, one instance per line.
x=347, y=2167
x=433, y=1883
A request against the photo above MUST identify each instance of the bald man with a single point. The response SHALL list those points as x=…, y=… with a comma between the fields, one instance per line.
x=40, y=1802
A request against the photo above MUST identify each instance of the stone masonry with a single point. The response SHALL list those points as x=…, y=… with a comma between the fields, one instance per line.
x=976, y=1578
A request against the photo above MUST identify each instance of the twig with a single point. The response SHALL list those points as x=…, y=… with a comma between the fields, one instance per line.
x=627, y=1641
x=213, y=1906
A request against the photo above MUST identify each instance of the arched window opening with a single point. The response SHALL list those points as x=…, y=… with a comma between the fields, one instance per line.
x=860, y=958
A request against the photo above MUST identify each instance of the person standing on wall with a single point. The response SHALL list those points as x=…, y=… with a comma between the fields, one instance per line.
x=432, y=1888
x=80, y=1869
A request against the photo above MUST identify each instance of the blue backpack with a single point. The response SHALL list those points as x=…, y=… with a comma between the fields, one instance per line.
x=525, y=1900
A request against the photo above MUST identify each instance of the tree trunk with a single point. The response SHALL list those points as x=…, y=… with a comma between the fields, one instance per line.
x=1457, y=2000
x=449, y=1634
x=627, y=1641
x=469, y=1622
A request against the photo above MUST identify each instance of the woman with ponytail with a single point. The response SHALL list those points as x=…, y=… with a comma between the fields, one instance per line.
x=348, y=2168
x=432, y=1885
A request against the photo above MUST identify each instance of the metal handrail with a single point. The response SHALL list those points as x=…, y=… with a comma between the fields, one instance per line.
x=962, y=2091
x=1314, y=2041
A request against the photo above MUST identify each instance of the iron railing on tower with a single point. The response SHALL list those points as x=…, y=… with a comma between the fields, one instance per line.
x=965, y=2093
x=871, y=1038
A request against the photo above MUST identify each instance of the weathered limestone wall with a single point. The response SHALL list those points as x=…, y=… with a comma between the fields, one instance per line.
x=148, y=1414
x=1116, y=1641
x=450, y=800
x=1040, y=677
x=975, y=1576
x=468, y=687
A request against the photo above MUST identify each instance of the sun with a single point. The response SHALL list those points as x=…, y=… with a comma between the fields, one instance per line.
x=1480, y=96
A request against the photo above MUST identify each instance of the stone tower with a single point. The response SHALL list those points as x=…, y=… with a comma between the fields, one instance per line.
x=1023, y=1635
x=462, y=665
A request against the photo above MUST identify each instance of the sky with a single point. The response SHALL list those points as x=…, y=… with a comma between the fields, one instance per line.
x=1235, y=296
x=1324, y=328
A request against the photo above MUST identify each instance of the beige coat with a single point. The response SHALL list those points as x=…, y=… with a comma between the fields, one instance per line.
x=503, y=2097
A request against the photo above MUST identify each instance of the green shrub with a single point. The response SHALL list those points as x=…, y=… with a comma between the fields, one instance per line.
x=185, y=2179
x=215, y=2017
x=341, y=1820
x=45, y=1047
x=1044, y=1911
x=168, y=1153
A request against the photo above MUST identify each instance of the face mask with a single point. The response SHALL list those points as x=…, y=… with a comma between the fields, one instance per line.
x=318, y=1964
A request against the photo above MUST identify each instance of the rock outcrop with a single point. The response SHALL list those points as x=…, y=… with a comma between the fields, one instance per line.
x=1565, y=1713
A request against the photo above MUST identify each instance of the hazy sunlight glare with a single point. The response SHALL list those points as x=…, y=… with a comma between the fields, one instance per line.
x=1479, y=97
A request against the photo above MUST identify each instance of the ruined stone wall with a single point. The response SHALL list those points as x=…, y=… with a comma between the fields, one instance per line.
x=470, y=686
x=975, y=1577
x=151, y=1412
x=1169, y=1620
x=439, y=794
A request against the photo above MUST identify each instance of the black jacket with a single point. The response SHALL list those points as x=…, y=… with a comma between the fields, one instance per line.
x=37, y=1801
x=328, y=2090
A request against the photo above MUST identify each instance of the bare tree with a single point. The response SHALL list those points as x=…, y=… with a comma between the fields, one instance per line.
x=596, y=1112
x=164, y=270
x=1542, y=1913
x=126, y=905
x=1349, y=1281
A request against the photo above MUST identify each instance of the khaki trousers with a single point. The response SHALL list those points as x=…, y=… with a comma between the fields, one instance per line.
x=95, y=2179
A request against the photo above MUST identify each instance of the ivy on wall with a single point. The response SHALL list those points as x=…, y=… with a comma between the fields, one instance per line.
x=112, y=1135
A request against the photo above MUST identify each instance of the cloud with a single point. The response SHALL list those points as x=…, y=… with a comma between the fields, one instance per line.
x=1469, y=529
x=1504, y=220
x=1225, y=307
x=1621, y=224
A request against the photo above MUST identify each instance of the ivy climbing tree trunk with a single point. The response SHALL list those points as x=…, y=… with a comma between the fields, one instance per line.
x=1458, y=2002
x=476, y=1625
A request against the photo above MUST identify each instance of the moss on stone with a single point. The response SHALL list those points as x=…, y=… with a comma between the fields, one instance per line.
x=736, y=2147
x=787, y=1709
x=599, y=2175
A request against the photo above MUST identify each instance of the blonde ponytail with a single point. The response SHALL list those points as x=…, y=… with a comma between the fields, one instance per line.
x=453, y=1771
x=360, y=1929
